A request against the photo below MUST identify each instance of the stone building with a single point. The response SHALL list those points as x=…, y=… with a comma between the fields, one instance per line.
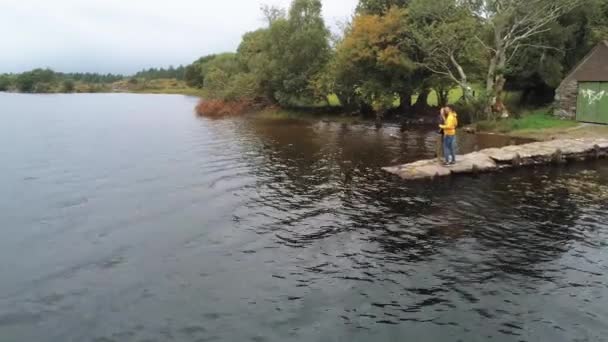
x=583, y=94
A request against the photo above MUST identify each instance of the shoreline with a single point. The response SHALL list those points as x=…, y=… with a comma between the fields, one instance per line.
x=186, y=92
x=578, y=131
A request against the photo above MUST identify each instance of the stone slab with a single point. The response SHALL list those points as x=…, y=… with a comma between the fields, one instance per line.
x=508, y=156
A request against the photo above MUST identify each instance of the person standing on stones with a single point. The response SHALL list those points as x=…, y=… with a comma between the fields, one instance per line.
x=449, y=138
x=441, y=121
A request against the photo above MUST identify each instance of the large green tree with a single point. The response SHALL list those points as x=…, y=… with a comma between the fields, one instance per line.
x=510, y=27
x=5, y=82
x=298, y=50
x=379, y=6
x=194, y=74
x=444, y=33
x=538, y=71
x=37, y=80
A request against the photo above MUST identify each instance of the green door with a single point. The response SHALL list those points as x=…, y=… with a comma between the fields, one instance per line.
x=592, y=102
x=602, y=109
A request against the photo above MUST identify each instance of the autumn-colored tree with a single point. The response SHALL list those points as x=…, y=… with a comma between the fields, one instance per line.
x=376, y=61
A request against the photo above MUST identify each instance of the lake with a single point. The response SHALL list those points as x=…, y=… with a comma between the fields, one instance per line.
x=128, y=218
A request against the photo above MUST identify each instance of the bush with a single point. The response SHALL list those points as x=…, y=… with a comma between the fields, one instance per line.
x=220, y=108
x=68, y=86
x=471, y=111
x=5, y=83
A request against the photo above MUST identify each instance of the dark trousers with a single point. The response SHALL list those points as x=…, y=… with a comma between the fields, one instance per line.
x=449, y=148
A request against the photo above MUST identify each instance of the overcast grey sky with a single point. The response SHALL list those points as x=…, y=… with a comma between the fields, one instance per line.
x=124, y=36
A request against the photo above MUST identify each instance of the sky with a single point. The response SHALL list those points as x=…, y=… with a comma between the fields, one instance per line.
x=125, y=36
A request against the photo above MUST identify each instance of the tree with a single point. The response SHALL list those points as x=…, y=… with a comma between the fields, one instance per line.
x=68, y=86
x=5, y=82
x=254, y=55
x=37, y=80
x=513, y=25
x=194, y=74
x=375, y=62
x=298, y=50
x=379, y=7
x=272, y=13
x=444, y=32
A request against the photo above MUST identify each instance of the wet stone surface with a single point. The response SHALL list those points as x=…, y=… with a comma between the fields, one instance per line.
x=536, y=153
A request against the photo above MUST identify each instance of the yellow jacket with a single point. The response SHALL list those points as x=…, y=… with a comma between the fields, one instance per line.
x=449, y=128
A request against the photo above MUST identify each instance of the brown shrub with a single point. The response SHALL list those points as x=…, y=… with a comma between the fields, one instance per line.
x=220, y=108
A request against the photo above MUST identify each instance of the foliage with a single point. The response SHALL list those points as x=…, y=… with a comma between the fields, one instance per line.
x=299, y=49
x=194, y=74
x=5, y=82
x=275, y=64
x=158, y=73
x=68, y=86
x=394, y=49
x=511, y=26
x=88, y=77
x=37, y=80
x=372, y=62
x=538, y=71
x=444, y=32
x=379, y=7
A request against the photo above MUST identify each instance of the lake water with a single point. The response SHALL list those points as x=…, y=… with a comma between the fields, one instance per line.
x=128, y=218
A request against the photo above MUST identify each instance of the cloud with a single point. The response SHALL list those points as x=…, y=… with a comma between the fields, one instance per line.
x=123, y=36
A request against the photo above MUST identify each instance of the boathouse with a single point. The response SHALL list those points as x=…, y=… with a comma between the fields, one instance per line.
x=583, y=94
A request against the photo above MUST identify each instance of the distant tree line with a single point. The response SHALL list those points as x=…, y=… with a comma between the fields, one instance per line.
x=46, y=80
x=393, y=49
x=159, y=73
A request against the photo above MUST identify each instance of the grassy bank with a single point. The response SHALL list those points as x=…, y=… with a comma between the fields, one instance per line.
x=540, y=124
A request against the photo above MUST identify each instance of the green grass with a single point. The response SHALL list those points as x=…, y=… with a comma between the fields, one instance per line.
x=532, y=120
x=454, y=96
x=333, y=100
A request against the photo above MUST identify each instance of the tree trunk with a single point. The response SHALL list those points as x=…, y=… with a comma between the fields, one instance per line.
x=499, y=84
x=366, y=109
x=423, y=100
x=442, y=96
x=463, y=81
x=405, y=103
x=495, y=80
x=490, y=82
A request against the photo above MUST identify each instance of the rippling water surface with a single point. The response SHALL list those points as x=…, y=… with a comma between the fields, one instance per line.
x=127, y=218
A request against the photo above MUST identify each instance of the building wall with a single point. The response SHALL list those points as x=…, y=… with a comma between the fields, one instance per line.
x=566, y=97
x=594, y=67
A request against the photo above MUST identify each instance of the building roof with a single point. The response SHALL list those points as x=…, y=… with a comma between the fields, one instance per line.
x=592, y=68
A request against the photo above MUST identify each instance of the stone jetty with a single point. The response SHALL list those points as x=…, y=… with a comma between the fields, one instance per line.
x=493, y=159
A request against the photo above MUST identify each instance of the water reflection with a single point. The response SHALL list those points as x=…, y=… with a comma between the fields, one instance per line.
x=462, y=235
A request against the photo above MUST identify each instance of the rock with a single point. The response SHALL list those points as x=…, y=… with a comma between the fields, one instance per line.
x=427, y=171
x=424, y=169
x=473, y=163
x=500, y=155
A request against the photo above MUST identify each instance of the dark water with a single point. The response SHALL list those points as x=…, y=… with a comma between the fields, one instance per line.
x=126, y=218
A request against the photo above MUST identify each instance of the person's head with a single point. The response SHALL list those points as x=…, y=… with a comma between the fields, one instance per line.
x=449, y=109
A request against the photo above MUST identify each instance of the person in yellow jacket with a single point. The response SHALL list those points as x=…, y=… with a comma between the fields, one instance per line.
x=449, y=138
